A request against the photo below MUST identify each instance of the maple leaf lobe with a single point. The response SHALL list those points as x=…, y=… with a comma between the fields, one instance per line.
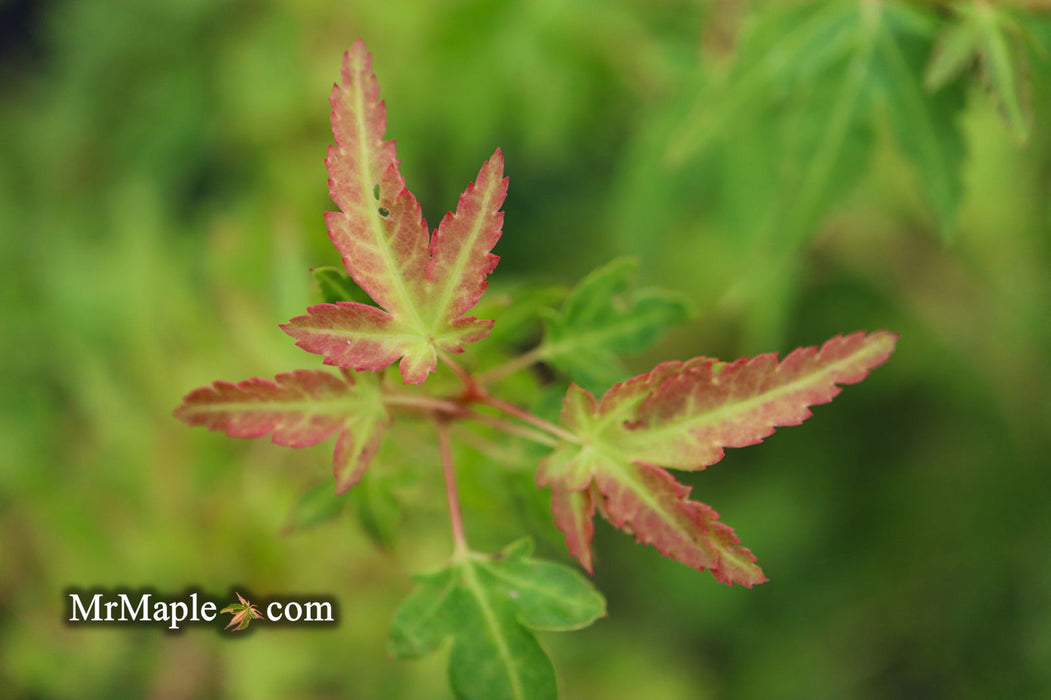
x=574, y=513
x=422, y=283
x=682, y=415
x=300, y=408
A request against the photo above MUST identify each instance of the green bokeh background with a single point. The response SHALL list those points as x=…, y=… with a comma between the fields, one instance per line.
x=161, y=190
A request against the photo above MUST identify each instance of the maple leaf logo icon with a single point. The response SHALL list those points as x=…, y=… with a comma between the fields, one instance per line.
x=243, y=614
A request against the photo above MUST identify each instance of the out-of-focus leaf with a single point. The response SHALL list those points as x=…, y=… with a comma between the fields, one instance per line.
x=606, y=316
x=682, y=415
x=574, y=513
x=988, y=34
x=801, y=38
x=488, y=605
x=822, y=75
x=924, y=125
x=318, y=504
x=954, y=52
x=336, y=286
x=516, y=310
x=377, y=509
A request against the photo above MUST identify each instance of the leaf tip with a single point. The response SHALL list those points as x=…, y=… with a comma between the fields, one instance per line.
x=883, y=342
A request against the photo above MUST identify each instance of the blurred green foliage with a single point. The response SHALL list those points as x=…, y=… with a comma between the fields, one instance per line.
x=795, y=171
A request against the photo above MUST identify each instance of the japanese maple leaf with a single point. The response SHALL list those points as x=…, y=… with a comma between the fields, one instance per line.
x=243, y=614
x=682, y=415
x=299, y=408
x=424, y=283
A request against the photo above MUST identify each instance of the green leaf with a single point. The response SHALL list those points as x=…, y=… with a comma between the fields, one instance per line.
x=924, y=125
x=1004, y=67
x=604, y=317
x=821, y=76
x=516, y=310
x=954, y=52
x=778, y=52
x=336, y=286
x=318, y=504
x=487, y=605
x=425, y=618
x=989, y=35
x=377, y=509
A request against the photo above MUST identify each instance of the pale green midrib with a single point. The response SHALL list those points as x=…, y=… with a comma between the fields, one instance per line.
x=363, y=424
x=454, y=278
x=372, y=210
x=493, y=626
x=721, y=413
x=355, y=332
x=733, y=554
x=308, y=407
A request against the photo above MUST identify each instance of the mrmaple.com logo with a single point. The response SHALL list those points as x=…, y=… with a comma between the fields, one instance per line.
x=146, y=607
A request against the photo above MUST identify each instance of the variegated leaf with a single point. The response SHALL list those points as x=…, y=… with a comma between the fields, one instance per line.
x=299, y=408
x=682, y=415
x=423, y=284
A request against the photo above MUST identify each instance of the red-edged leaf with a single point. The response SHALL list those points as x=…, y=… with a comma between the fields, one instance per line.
x=423, y=283
x=573, y=511
x=648, y=502
x=460, y=259
x=682, y=415
x=300, y=408
x=706, y=406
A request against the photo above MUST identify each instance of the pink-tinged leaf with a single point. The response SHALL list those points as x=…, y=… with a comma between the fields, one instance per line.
x=355, y=449
x=383, y=241
x=360, y=337
x=460, y=258
x=299, y=408
x=237, y=619
x=348, y=334
x=241, y=619
x=696, y=412
x=623, y=399
x=423, y=283
x=682, y=415
x=574, y=512
x=569, y=465
x=243, y=614
x=647, y=502
x=359, y=120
